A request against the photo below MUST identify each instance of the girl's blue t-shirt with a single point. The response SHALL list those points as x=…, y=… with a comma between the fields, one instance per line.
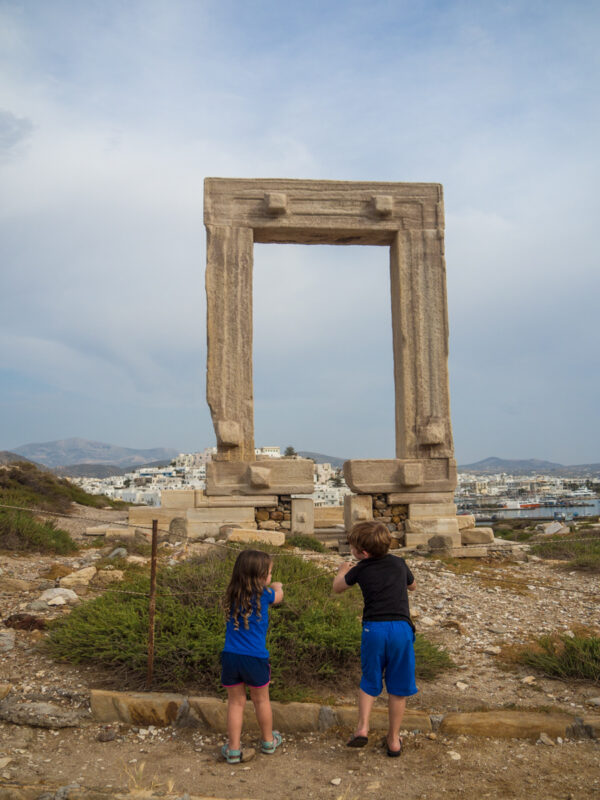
x=251, y=641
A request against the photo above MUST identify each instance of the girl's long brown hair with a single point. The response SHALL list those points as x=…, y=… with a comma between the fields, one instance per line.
x=248, y=578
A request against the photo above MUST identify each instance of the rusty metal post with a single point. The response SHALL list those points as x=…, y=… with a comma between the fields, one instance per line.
x=152, y=606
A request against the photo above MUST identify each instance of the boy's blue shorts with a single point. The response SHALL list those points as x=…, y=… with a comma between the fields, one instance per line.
x=252, y=671
x=387, y=650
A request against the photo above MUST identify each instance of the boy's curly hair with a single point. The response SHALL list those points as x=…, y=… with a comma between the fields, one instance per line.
x=371, y=536
x=242, y=596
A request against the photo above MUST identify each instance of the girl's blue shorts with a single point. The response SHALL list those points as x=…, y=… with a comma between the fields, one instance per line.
x=387, y=651
x=252, y=671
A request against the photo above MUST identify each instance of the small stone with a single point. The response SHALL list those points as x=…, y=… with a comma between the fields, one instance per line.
x=335, y=781
x=529, y=680
x=106, y=735
x=545, y=739
x=427, y=621
x=462, y=686
x=118, y=552
x=492, y=650
x=454, y=755
x=594, y=701
x=432, y=736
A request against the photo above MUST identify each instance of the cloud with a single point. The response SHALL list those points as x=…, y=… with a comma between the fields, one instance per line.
x=114, y=114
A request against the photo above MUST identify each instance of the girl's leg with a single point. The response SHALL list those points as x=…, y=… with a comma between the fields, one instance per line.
x=396, y=706
x=236, y=702
x=262, y=708
x=365, y=706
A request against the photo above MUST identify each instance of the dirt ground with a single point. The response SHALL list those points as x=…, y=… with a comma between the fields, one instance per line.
x=476, y=612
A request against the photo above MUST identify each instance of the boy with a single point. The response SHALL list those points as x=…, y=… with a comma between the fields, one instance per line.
x=387, y=634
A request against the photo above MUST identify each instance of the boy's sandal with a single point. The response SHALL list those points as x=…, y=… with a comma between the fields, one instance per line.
x=268, y=748
x=394, y=753
x=357, y=741
x=237, y=756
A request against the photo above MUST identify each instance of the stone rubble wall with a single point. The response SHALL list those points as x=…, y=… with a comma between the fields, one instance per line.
x=275, y=518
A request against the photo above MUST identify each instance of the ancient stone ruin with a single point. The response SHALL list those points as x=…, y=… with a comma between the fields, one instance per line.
x=412, y=493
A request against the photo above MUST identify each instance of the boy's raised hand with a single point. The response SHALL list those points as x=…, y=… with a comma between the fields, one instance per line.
x=339, y=582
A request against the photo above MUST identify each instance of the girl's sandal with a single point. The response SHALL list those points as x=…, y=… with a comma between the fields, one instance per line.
x=237, y=756
x=268, y=748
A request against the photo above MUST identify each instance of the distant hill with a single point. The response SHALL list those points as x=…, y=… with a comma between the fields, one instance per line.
x=531, y=466
x=6, y=457
x=83, y=451
x=320, y=458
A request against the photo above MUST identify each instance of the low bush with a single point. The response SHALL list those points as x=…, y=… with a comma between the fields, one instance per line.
x=562, y=656
x=20, y=531
x=314, y=636
x=580, y=550
x=24, y=484
x=306, y=543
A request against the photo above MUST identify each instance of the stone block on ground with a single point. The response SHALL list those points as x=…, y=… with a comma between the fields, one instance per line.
x=472, y=551
x=465, y=521
x=245, y=536
x=135, y=708
x=97, y=530
x=80, y=578
x=296, y=717
x=506, y=724
x=477, y=536
x=40, y=715
x=440, y=544
x=346, y=717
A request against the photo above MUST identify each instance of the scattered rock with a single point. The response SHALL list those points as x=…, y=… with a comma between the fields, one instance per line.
x=427, y=621
x=7, y=640
x=454, y=755
x=545, y=739
x=106, y=735
x=594, y=701
x=81, y=577
x=529, y=680
x=462, y=686
x=492, y=650
x=25, y=622
x=68, y=595
x=39, y=715
x=118, y=552
x=335, y=781
x=10, y=585
x=106, y=576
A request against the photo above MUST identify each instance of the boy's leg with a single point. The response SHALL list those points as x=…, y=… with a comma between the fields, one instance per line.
x=365, y=706
x=396, y=707
x=264, y=713
x=236, y=702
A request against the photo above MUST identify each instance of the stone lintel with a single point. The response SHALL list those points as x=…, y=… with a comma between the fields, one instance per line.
x=327, y=212
x=416, y=539
x=276, y=477
x=425, y=475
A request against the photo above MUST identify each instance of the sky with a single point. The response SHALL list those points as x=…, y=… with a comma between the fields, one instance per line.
x=112, y=113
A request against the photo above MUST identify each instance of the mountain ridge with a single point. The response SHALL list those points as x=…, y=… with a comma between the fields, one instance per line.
x=75, y=450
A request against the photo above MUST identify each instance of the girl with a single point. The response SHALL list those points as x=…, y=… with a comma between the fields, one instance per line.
x=245, y=658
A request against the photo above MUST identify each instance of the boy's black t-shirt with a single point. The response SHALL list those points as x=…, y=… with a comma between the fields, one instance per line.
x=383, y=582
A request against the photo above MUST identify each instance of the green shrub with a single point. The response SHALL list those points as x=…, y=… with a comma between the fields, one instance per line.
x=579, y=551
x=306, y=543
x=314, y=636
x=565, y=657
x=24, y=484
x=19, y=531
